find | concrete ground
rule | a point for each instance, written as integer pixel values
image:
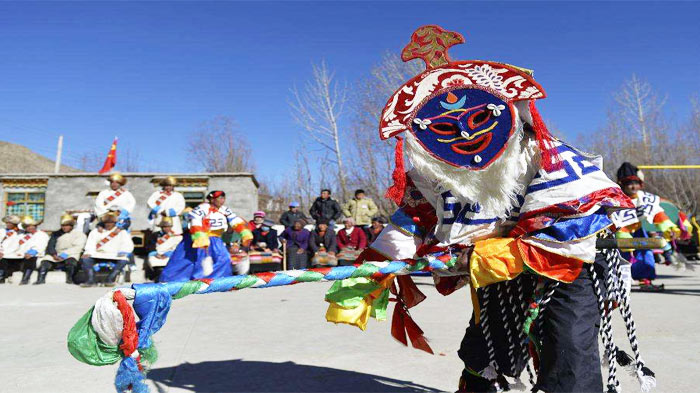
(277, 340)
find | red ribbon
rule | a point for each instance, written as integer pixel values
(407, 296)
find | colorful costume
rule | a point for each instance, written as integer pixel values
(202, 253)
(647, 209)
(519, 208)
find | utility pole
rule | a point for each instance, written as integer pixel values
(59, 150)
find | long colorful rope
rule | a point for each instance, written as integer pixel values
(92, 339)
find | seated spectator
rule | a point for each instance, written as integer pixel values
(9, 247)
(323, 245)
(297, 240)
(106, 244)
(264, 239)
(376, 228)
(351, 241)
(164, 244)
(63, 250)
(258, 219)
(292, 215)
(32, 245)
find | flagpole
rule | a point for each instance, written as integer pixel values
(59, 150)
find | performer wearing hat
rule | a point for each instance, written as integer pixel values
(63, 250)
(118, 198)
(517, 209)
(9, 246)
(203, 254)
(648, 208)
(106, 244)
(166, 203)
(32, 245)
(166, 241)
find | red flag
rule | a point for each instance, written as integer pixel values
(111, 159)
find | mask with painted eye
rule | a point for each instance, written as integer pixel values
(466, 127)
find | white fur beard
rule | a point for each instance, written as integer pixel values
(495, 187)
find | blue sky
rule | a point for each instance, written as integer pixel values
(151, 72)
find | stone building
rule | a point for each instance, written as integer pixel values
(45, 196)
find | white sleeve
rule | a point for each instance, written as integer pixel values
(100, 208)
(91, 243)
(128, 202)
(151, 202)
(178, 202)
(41, 242)
(196, 216)
(127, 245)
(395, 244)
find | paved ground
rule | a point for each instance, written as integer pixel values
(277, 340)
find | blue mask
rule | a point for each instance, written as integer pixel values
(465, 127)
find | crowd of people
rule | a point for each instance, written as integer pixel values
(334, 234)
(320, 240)
(100, 248)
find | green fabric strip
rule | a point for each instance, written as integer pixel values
(379, 306)
(365, 270)
(187, 289)
(248, 281)
(86, 346)
(308, 276)
(349, 293)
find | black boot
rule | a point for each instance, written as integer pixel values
(42, 277)
(70, 271)
(90, 275)
(26, 276)
(2, 276)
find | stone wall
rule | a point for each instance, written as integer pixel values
(77, 192)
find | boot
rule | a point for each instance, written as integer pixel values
(2, 276)
(90, 279)
(25, 277)
(70, 271)
(111, 278)
(42, 277)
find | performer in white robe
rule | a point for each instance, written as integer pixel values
(9, 245)
(32, 245)
(116, 198)
(166, 203)
(106, 244)
(165, 243)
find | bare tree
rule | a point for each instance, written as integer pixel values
(639, 107)
(637, 131)
(318, 108)
(373, 159)
(218, 146)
